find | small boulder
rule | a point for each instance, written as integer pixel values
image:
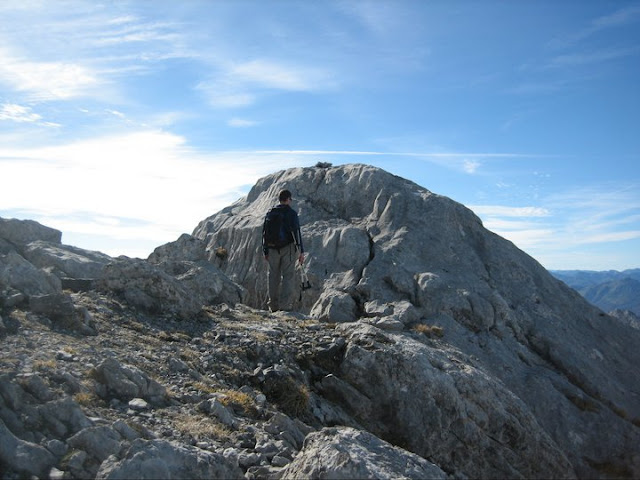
(23, 457)
(335, 306)
(21, 232)
(20, 275)
(162, 459)
(348, 453)
(148, 287)
(126, 382)
(65, 260)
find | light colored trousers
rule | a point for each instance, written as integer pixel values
(282, 268)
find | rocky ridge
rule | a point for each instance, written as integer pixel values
(429, 348)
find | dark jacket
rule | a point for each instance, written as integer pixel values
(292, 223)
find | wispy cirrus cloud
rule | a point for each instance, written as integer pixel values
(577, 57)
(18, 113)
(503, 211)
(593, 57)
(619, 18)
(241, 123)
(46, 80)
(280, 76)
(597, 213)
(241, 84)
(22, 114)
(568, 224)
(80, 50)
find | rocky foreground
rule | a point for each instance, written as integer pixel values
(438, 351)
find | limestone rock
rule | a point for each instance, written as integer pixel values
(127, 382)
(375, 237)
(65, 260)
(205, 282)
(162, 459)
(22, 456)
(186, 247)
(627, 317)
(348, 453)
(59, 308)
(180, 288)
(100, 441)
(18, 274)
(216, 409)
(434, 402)
(63, 417)
(148, 287)
(19, 233)
(335, 306)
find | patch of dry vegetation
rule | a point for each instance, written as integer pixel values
(429, 330)
(201, 427)
(241, 403)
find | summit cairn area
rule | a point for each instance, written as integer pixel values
(427, 347)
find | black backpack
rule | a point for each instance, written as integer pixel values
(277, 234)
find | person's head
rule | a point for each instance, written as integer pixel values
(285, 196)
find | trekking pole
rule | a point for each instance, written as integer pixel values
(304, 280)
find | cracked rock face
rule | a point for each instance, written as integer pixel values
(356, 223)
(377, 243)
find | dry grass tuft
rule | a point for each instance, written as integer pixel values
(429, 330)
(88, 399)
(201, 427)
(204, 387)
(240, 402)
(290, 396)
(40, 365)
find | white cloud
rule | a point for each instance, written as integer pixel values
(503, 211)
(606, 237)
(78, 49)
(242, 84)
(618, 18)
(565, 227)
(21, 114)
(18, 113)
(225, 94)
(116, 113)
(278, 76)
(593, 57)
(241, 123)
(44, 81)
(530, 239)
(470, 166)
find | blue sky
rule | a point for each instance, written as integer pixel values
(124, 124)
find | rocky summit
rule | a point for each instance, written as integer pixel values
(427, 347)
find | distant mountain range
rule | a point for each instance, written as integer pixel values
(609, 290)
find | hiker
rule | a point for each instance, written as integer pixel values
(282, 245)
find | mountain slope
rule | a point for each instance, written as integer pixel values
(426, 338)
(390, 253)
(621, 294)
